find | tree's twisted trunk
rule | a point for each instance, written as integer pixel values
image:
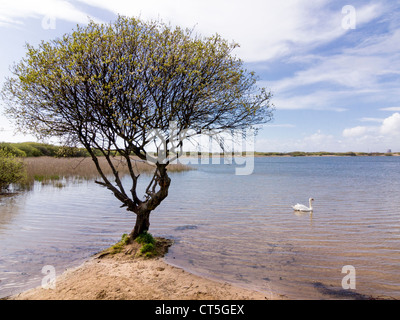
(142, 224)
(154, 198)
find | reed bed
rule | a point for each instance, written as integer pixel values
(50, 169)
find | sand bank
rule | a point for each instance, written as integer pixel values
(126, 276)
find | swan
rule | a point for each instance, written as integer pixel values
(302, 207)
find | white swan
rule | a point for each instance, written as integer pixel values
(302, 207)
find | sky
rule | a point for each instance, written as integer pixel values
(333, 67)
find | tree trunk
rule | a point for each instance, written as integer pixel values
(142, 224)
(154, 199)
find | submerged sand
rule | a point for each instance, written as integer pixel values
(127, 276)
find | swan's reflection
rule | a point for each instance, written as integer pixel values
(303, 214)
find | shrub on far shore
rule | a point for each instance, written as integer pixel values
(12, 149)
(12, 170)
(36, 149)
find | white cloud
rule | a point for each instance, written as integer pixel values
(391, 125)
(366, 119)
(359, 139)
(368, 71)
(377, 138)
(350, 70)
(355, 132)
(381, 44)
(7, 21)
(14, 12)
(265, 29)
(320, 100)
(318, 139)
(390, 109)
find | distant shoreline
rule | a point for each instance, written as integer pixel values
(35, 149)
(290, 154)
(326, 154)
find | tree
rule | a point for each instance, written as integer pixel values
(107, 87)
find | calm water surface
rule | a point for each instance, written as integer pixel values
(239, 229)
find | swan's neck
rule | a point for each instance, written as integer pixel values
(310, 203)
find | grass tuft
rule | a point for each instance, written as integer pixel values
(145, 238)
(148, 243)
(117, 248)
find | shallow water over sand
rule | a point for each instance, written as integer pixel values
(237, 228)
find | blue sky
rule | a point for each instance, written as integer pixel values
(333, 66)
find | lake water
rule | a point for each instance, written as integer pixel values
(239, 229)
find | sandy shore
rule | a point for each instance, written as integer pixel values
(126, 276)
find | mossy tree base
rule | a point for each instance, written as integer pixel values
(145, 246)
